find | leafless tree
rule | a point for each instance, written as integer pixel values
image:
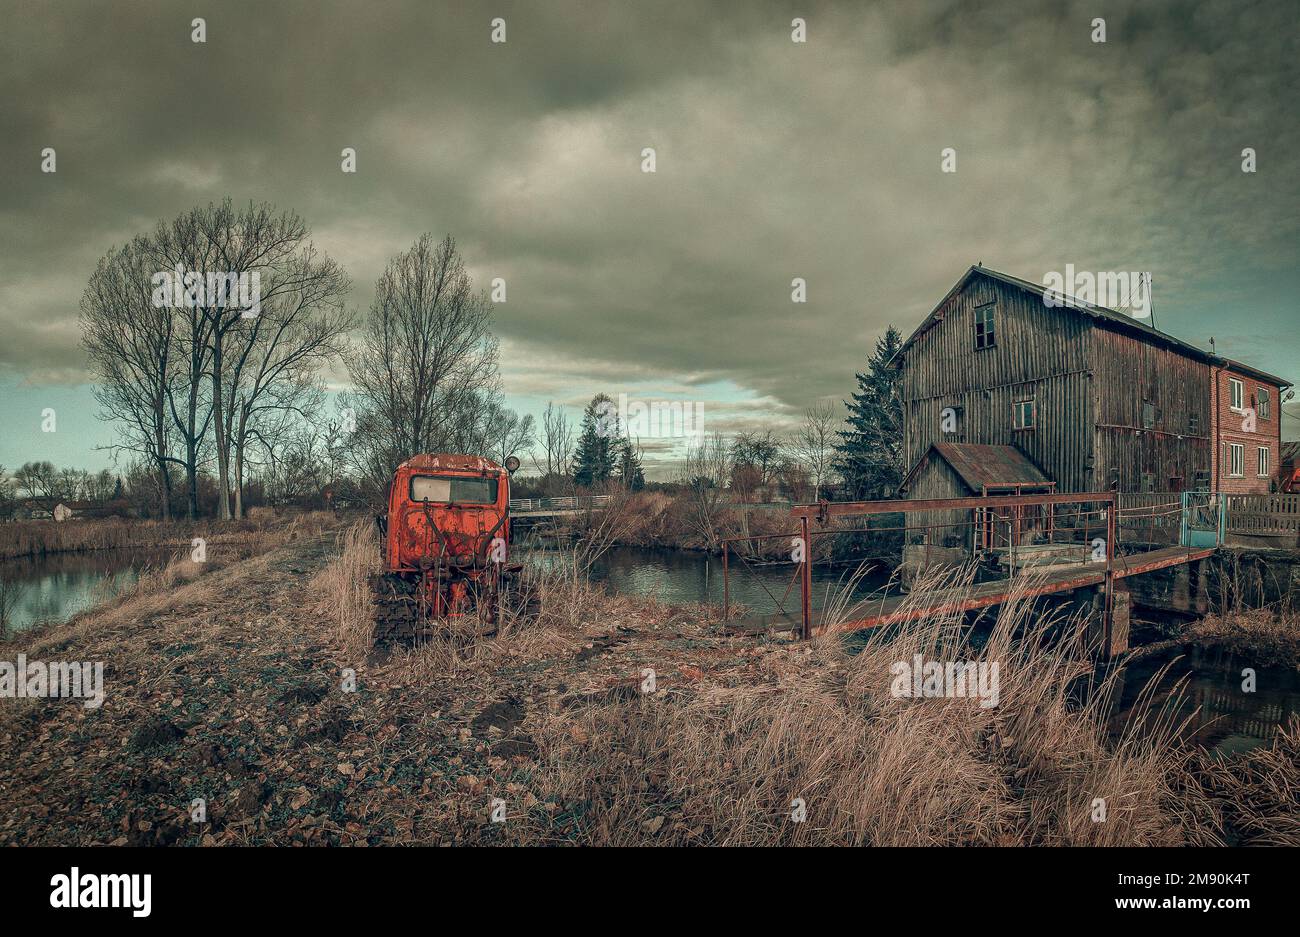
(706, 470)
(557, 443)
(424, 362)
(129, 342)
(505, 431)
(814, 443)
(279, 353)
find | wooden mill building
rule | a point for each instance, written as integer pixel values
(1074, 398)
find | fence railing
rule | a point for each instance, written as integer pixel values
(579, 503)
(1264, 515)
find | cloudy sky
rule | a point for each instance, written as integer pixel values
(774, 160)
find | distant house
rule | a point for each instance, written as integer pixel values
(48, 508)
(1094, 399)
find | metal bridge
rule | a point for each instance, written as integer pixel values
(556, 507)
(1043, 544)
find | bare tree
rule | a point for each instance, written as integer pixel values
(706, 470)
(505, 431)
(424, 362)
(557, 443)
(279, 352)
(129, 341)
(814, 443)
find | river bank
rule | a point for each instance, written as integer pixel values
(19, 539)
(607, 720)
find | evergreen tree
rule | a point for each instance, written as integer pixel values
(870, 455)
(629, 466)
(597, 455)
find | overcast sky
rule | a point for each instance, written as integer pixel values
(775, 160)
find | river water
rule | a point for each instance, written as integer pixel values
(1219, 713)
(56, 587)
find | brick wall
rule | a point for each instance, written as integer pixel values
(1229, 425)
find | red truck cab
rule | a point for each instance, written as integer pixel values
(445, 511)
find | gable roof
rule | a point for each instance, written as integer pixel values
(983, 466)
(1108, 318)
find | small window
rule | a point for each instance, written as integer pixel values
(1175, 483)
(1263, 403)
(1148, 415)
(1236, 460)
(1025, 414)
(1193, 423)
(1262, 472)
(1148, 481)
(1202, 481)
(1235, 390)
(985, 330)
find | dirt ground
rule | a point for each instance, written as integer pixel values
(233, 689)
(234, 713)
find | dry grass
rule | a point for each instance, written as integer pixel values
(345, 587)
(39, 538)
(723, 765)
(1258, 793)
(713, 761)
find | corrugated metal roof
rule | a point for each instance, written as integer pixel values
(983, 466)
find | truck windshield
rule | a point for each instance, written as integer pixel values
(450, 489)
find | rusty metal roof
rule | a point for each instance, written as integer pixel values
(432, 462)
(981, 466)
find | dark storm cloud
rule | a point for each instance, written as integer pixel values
(775, 160)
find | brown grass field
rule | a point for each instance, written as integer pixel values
(231, 684)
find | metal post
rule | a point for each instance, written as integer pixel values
(806, 584)
(726, 584)
(1108, 602)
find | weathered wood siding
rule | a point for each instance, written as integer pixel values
(1130, 373)
(1038, 350)
(936, 479)
(1089, 382)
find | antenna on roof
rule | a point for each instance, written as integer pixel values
(1151, 303)
(1212, 351)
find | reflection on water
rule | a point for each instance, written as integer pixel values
(1221, 714)
(679, 577)
(54, 588)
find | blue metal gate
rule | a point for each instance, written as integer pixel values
(1204, 519)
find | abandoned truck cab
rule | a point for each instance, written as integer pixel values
(445, 542)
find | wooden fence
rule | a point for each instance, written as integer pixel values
(1264, 515)
(1156, 516)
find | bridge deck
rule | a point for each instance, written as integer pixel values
(1041, 580)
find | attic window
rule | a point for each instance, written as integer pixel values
(985, 333)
